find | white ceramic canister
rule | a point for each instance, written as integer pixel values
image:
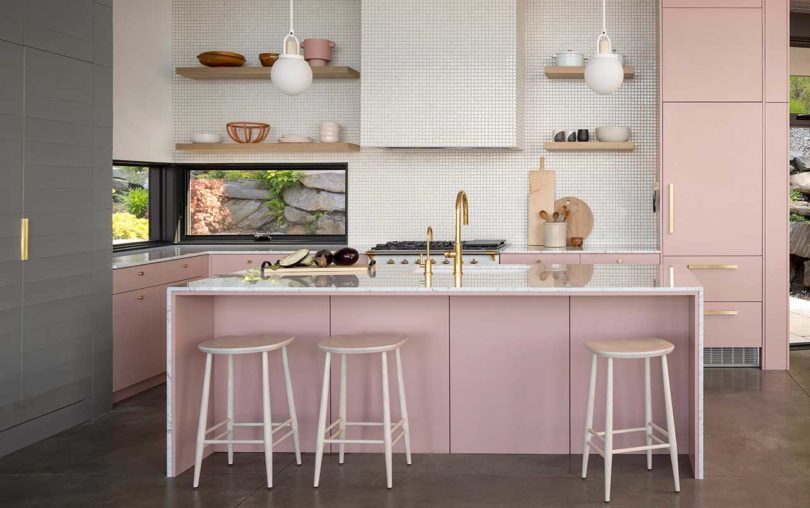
(330, 132)
(554, 234)
(569, 58)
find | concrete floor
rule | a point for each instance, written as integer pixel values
(799, 321)
(757, 455)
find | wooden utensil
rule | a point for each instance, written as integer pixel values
(221, 59)
(541, 197)
(580, 218)
(555, 217)
(544, 215)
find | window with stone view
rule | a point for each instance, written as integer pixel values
(266, 201)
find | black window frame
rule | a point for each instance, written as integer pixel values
(183, 175)
(159, 234)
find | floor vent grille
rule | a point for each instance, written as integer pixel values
(731, 357)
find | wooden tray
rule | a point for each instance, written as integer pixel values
(314, 270)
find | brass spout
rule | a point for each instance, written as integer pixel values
(428, 263)
(462, 215)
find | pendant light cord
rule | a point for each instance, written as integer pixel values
(604, 17)
(292, 31)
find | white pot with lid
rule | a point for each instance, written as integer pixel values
(569, 58)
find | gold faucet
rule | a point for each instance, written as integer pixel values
(428, 262)
(462, 214)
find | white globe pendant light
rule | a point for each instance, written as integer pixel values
(604, 73)
(291, 73)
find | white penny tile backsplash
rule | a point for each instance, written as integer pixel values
(397, 193)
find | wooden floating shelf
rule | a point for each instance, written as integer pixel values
(261, 72)
(268, 147)
(556, 72)
(589, 146)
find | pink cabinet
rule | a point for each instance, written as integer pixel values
(618, 259)
(528, 258)
(777, 42)
(139, 336)
(712, 179)
(732, 279)
(711, 54)
(152, 274)
(712, 3)
(732, 324)
(230, 263)
(516, 361)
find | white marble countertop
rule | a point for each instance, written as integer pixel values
(503, 279)
(169, 252)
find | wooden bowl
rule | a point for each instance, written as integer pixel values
(268, 59)
(221, 59)
(248, 132)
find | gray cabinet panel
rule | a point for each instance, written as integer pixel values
(11, 26)
(102, 35)
(63, 27)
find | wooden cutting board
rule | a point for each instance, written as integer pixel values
(541, 197)
(314, 270)
(580, 220)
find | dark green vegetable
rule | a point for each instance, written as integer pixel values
(346, 256)
(323, 258)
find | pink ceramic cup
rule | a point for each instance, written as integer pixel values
(318, 52)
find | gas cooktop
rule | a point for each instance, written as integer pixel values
(415, 247)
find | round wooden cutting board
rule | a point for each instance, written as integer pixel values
(580, 220)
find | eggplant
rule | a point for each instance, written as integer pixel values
(346, 281)
(294, 258)
(307, 261)
(323, 258)
(346, 256)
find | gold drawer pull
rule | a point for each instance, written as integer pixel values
(185, 265)
(720, 312)
(140, 273)
(24, 239)
(250, 261)
(671, 208)
(712, 267)
(140, 297)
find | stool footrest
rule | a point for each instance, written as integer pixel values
(400, 436)
(659, 429)
(282, 438)
(354, 441)
(234, 441)
(643, 448)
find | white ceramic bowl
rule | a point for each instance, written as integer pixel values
(570, 59)
(613, 134)
(201, 137)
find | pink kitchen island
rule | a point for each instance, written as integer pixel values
(497, 365)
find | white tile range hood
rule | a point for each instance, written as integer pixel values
(442, 74)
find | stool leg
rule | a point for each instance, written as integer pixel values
(291, 404)
(648, 411)
(586, 449)
(673, 445)
(267, 426)
(386, 420)
(322, 420)
(342, 424)
(203, 421)
(608, 429)
(403, 410)
(230, 409)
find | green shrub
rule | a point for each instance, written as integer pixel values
(137, 202)
(129, 227)
(796, 195)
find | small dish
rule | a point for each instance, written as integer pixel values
(221, 59)
(613, 134)
(294, 139)
(205, 138)
(268, 59)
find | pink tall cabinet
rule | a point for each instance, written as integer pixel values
(724, 154)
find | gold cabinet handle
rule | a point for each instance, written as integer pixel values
(24, 239)
(619, 261)
(720, 313)
(185, 265)
(250, 261)
(140, 274)
(712, 267)
(140, 297)
(671, 208)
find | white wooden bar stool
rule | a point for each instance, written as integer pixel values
(243, 345)
(352, 345)
(630, 349)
